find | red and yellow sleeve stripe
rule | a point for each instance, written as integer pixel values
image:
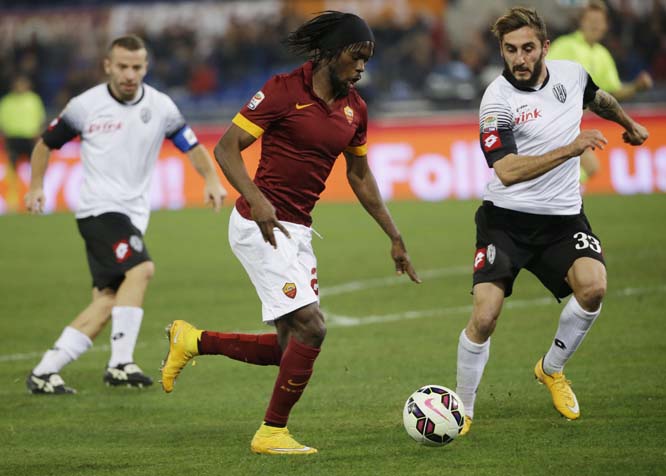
(247, 125)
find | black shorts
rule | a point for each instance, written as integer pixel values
(113, 246)
(18, 148)
(547, 245)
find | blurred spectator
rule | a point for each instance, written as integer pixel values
(21, 118)
(584, 47)
(423, 60)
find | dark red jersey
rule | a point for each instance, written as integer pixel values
(301, 136)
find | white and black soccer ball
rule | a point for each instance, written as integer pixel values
(433, 415)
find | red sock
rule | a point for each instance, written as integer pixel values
(295, 371)
(259, 349)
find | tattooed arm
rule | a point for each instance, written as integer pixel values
(606, 106)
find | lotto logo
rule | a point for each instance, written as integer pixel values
(122, 251)
(479, 259)
(491, 141)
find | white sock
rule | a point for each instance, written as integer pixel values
(125, 325)
(69, 346)
(472, 359)
(574, 324)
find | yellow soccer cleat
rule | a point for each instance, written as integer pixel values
(270, 440)
(183, 338)
(466, 426)
(564, 399)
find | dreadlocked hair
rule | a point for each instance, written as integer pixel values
(306, 40)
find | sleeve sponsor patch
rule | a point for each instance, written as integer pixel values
(491, 141)
(489, 123)
(256, 100)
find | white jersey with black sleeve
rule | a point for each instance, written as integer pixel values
(120, 143)
(532, 122)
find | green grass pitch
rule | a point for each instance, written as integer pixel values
(386, 338)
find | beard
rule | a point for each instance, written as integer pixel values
(340, 87)
(534, 77)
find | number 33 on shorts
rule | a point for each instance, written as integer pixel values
(587, 241)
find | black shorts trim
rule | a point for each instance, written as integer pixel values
(113, 247)
(546, 245)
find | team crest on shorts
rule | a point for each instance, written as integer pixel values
(136, 243)
(490, 254)
(122, 251)
(560, 92)
(289, 290)
(145, 115)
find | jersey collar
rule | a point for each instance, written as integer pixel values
(509, 77)
(127, 103)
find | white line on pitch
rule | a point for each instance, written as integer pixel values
(372, 283)
(339, 320)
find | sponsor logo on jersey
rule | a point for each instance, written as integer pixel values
(560, 92)
(122, 251)
(490, 254)
(349, 114)
(491, 141)
(104, 126)
(303, 106)
(479, 259)
(524, 114)
(145, 115)
(489, 123)
(289, 290)
(136, 243)
(256, 100)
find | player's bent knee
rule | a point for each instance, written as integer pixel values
(590, 297)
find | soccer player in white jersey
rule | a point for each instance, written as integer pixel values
(532, 215)
(121, 124)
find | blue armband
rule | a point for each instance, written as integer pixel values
(184, 139)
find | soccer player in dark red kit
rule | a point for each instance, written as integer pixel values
(306, 119)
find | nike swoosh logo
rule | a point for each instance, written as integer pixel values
(294, 384)
(175, 337)
(575, 408)
(428, 403)
(303, 106)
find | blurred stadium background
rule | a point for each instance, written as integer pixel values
(434, 59)
(432, 55)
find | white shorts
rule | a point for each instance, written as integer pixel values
(285, 278)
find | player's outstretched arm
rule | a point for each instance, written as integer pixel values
(39, 159)
(228, 155)
(365, 188)
(214, 191)
(606, 106)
